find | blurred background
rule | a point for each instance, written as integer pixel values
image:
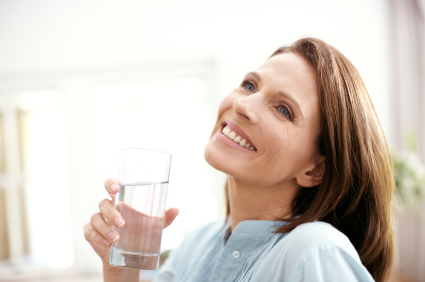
(81, 79)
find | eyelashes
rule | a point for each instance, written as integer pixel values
(246, 84)
(284, 110)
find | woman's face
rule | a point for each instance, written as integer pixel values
(276, 111)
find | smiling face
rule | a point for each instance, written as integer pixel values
(276, 111)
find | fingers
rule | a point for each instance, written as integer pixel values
(103, 228)
(112, 186)
(110, 213)
(170, 215)
(91, 235)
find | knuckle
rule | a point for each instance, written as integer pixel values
(87, 231)
(94, 216)
(87, 227)
(101, 227)
(108, 211)
(103, 203)
(99, 238)
(94, 236)
(106, 229)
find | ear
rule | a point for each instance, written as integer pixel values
(313, 176)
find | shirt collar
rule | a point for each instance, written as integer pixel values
(261, 228)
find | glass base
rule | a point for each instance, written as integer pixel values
(121, 258)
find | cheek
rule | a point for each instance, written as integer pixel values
(225, 105)
(290, 149)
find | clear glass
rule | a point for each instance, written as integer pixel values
(143, 175)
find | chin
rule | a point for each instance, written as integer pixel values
(213, 157)
(219, 160)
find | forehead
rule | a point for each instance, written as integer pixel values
(289, 70)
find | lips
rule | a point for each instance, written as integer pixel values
(235, 133)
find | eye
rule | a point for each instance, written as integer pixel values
(285, 111)
(248, 85)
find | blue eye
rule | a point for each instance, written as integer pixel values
(248, 85)
(284, 110)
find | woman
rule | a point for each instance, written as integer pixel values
(310, 181)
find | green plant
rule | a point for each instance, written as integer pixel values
(409, 179)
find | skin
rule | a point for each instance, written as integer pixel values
(262, 183)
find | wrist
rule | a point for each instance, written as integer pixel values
(117, 274)
(107, 268)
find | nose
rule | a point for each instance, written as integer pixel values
(247, 108)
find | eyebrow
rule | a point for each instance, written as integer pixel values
(253, 73)
(281, 93)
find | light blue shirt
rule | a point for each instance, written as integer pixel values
(313, 251)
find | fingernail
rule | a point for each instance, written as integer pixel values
(112, 236)
(119, 222)
(114, 187)
(106, 242)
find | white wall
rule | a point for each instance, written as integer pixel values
(236, 36)
(240, 35)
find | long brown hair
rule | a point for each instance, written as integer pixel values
(356, 192)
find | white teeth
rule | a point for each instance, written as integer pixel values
(232, 135)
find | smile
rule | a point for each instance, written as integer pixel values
(229, 133)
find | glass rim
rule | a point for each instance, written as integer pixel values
(125, 149)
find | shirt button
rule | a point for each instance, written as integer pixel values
(236, 254)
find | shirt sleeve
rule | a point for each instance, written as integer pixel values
(329, 265)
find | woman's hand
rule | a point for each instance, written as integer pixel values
(99, 233)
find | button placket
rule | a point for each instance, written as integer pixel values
(236, 254)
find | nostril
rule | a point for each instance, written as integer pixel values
(245, 116)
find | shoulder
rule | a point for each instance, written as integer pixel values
(318, 236)
(310, 239)
(317, 251)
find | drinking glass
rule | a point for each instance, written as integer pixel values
(143, 178)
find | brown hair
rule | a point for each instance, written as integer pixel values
(356, 192)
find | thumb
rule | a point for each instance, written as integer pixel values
(170, 215)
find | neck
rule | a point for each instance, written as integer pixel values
(253, 202)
